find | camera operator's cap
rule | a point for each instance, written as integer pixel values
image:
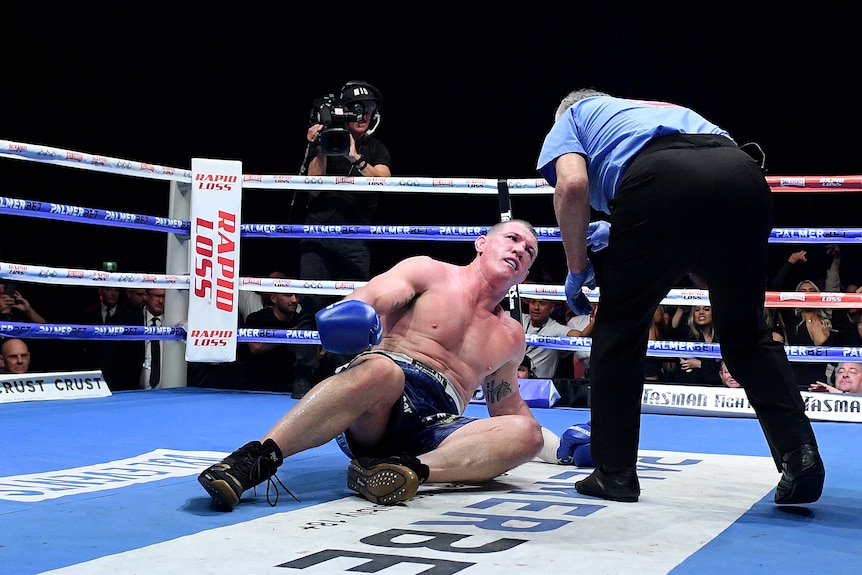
(356, 91)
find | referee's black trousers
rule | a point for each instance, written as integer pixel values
(688, 203)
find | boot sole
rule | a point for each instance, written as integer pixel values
(222, 495)
(384, 484)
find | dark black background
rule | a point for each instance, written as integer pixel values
(469, 91)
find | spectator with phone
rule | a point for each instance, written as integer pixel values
(14, 307)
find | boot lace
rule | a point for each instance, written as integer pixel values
(263, 467)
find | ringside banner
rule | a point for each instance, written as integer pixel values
(216, 202)
(52, 385)
(732, 402)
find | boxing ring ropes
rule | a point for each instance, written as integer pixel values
(176, 280)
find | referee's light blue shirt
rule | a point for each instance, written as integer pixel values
(609, 132)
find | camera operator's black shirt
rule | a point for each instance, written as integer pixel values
(348, 207)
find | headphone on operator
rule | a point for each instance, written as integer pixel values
(354, 91)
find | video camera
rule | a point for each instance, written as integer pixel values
(334, 138)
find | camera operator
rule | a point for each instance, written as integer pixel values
(366, 155)
(338, 259)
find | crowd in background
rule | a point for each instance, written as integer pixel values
(272, 367)
(294, 368)
(801, 326)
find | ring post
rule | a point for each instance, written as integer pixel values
(177, 301)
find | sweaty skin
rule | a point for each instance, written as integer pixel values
(448, 317)
(473, 342)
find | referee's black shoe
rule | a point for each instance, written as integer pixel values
(802, 476)
(612, 483)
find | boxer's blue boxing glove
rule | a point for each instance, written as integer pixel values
(348, 326)
(576, 436)
(584, 456)
(575, 296)
(597, 235)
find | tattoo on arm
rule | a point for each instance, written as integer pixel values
(497, 391)
(402, 303)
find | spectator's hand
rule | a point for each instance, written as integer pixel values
(575, 296)
(597, 235)
(798, 257)
(819, 386)
(20, 303)
(690, 363)
(834, 250)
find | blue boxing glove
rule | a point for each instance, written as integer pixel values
(574, 437)
(575, 296)
(597, 235)
(584, 456)
(348, 327)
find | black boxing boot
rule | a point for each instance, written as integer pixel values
(802, 476)
(247, 467)
(387, 480)
(613, 483)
